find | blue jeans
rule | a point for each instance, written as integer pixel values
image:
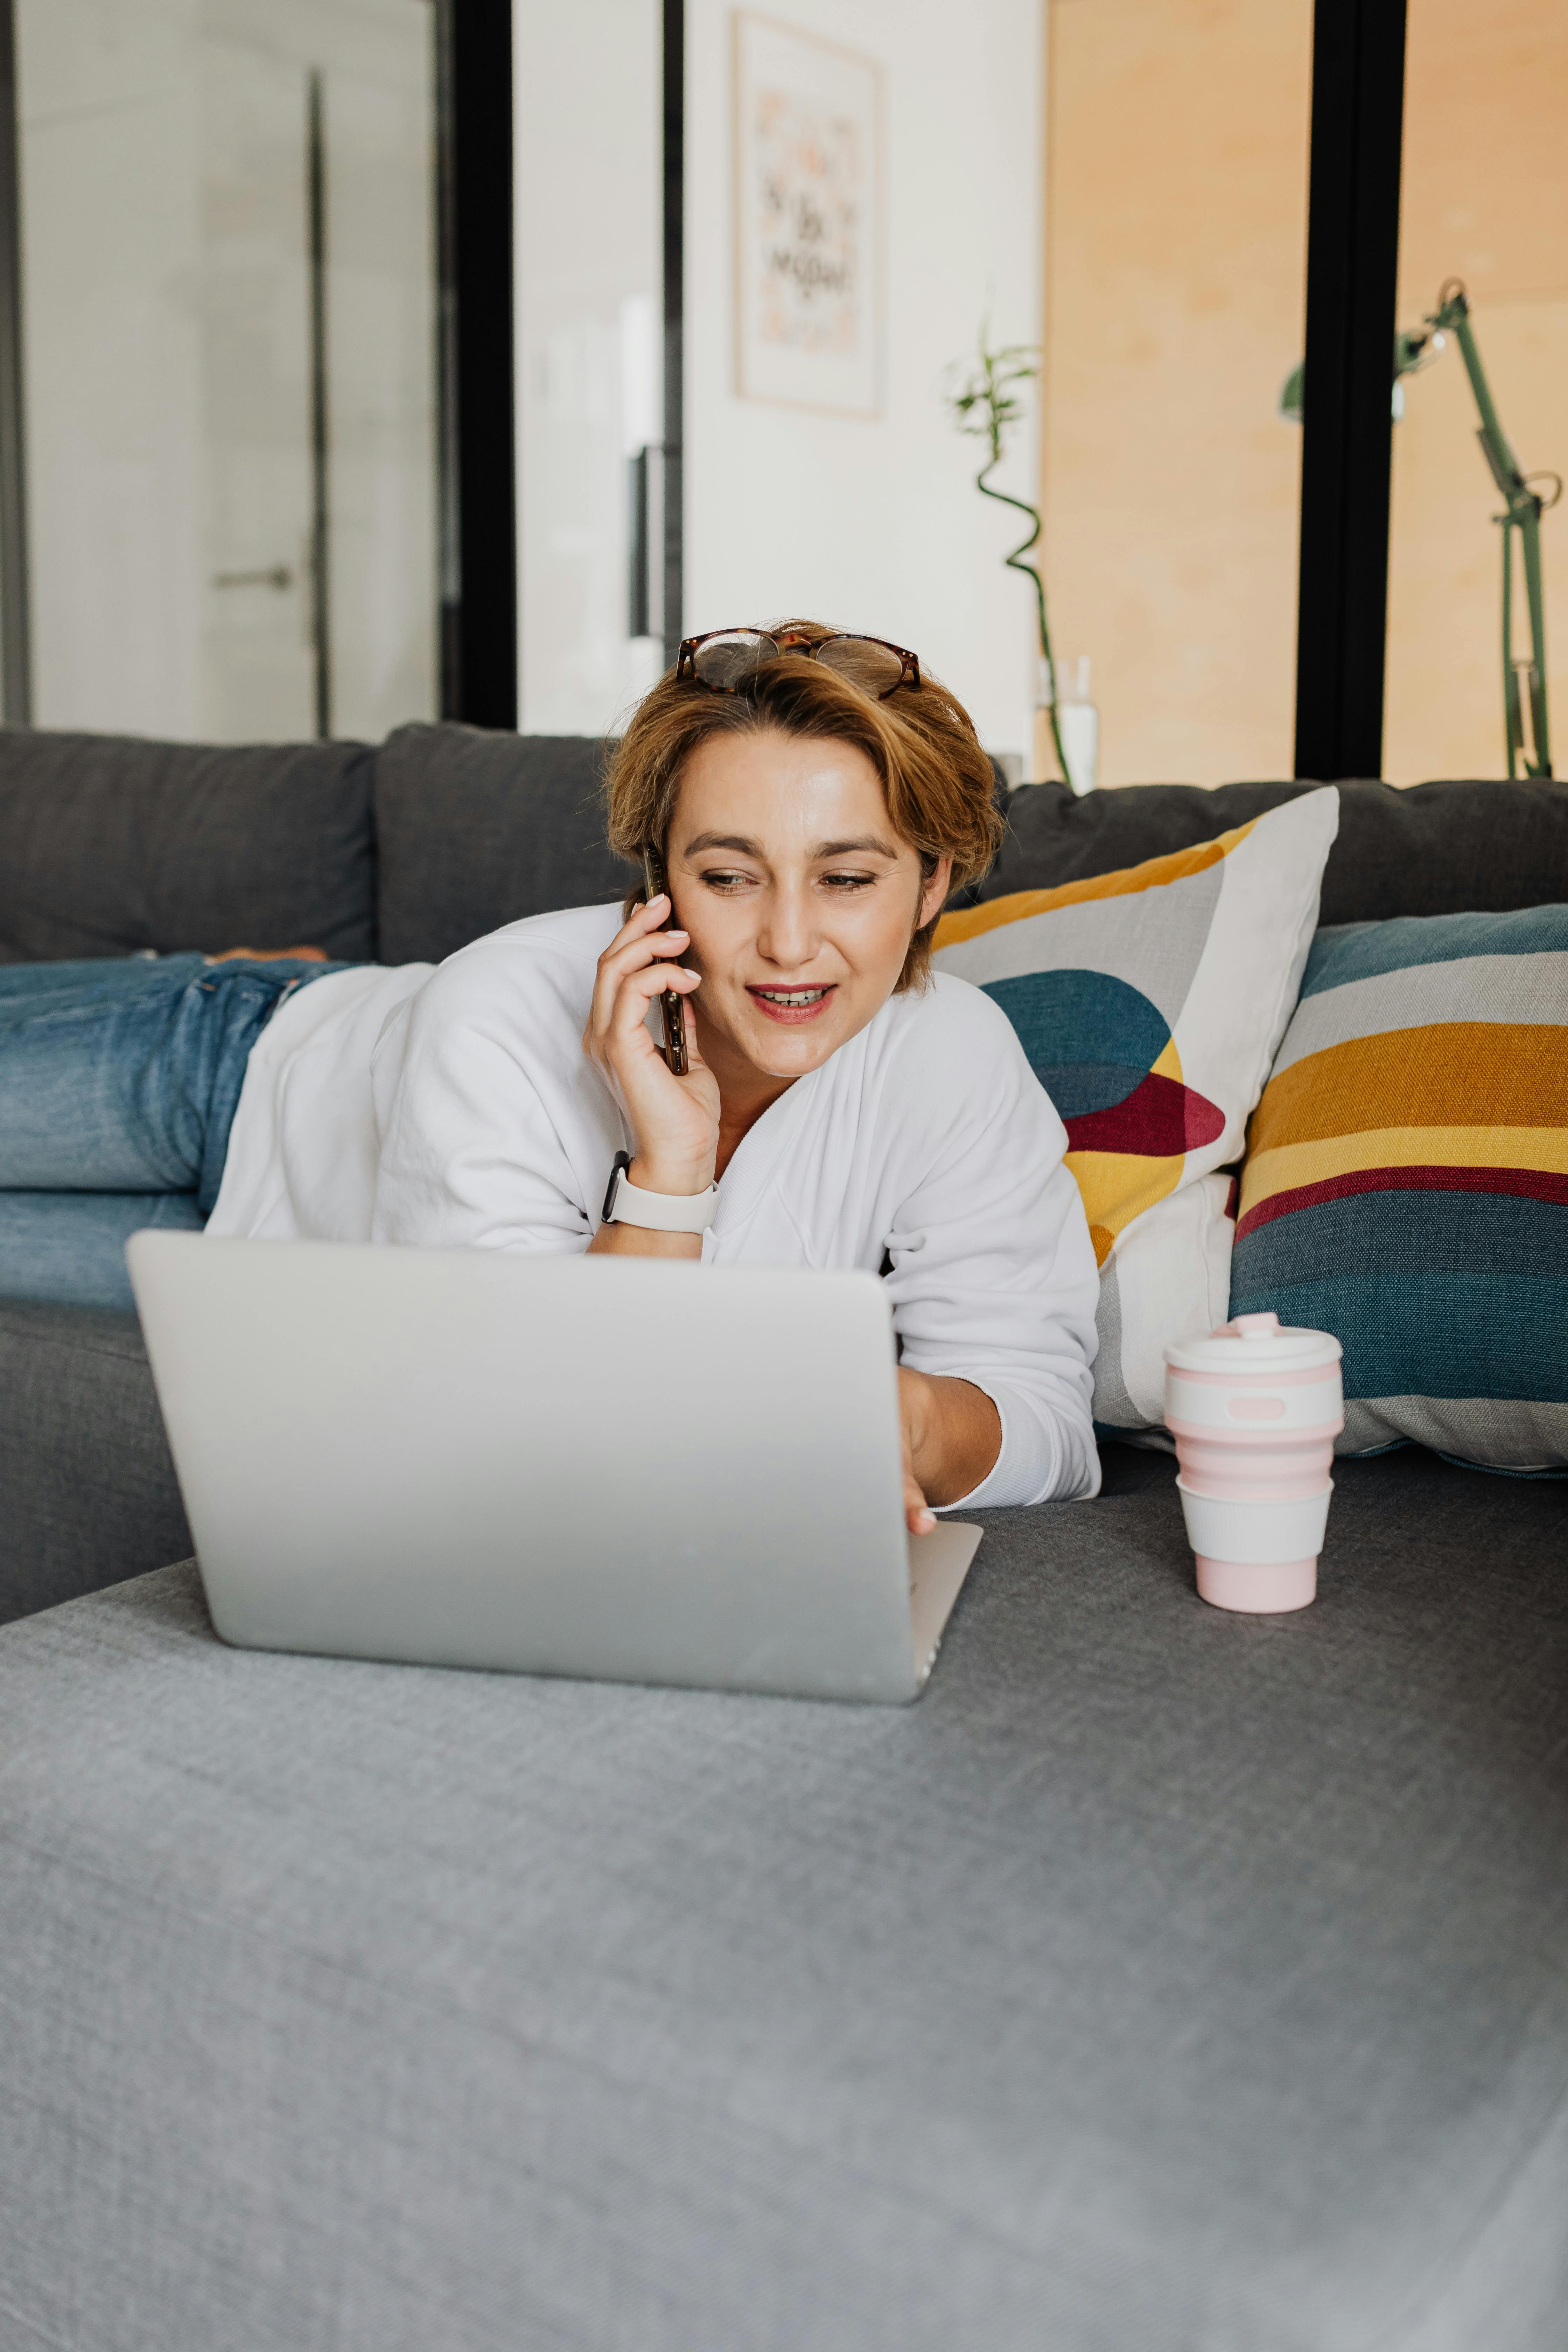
(118, 1082)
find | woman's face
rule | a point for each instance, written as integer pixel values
(799, 897)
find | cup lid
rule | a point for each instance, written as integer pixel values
(1253, 1343)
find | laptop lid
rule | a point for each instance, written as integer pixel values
(606, 1467)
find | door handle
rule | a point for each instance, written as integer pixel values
(637, 600)
(271, 575)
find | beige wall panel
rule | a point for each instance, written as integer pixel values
(1177, 156)
(1485, 198)
(1484, 194)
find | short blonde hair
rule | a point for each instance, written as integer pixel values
(939, 784)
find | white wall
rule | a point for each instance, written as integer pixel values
(876, 523)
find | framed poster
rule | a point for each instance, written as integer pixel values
(809, 220)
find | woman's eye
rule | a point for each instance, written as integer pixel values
(722, 879)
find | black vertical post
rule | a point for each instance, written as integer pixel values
(16, 649)
(1353, 258)
(320, 548)
(479, 521)
(674, 315)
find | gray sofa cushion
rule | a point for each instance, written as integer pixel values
(109, 844)
(87, 1488)
(1433, 849)
(1163, 1979)
(476, 829)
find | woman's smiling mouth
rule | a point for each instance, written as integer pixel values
(790, 1004)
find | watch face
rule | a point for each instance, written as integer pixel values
(623, 1161)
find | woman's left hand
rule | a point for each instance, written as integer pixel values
(953, 1435)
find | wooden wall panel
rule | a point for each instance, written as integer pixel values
(1176, 213)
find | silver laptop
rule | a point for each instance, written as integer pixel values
(613, 1467)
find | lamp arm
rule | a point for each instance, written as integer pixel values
(1524, 510)
(1530, 541)
(1454, 318)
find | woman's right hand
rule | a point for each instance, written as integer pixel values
(675, 1121)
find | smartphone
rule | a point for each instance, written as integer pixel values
(671, 1002)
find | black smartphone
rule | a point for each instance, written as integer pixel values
(671, 1002)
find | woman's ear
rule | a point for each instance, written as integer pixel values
(934, 893)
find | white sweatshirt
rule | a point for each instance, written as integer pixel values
(454, 1106)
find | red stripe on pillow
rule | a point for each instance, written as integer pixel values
(1526, 1183)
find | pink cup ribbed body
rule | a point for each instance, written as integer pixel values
(1255, 1411)
(1225, 1448)
(1216, 1463)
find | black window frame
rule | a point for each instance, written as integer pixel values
(477, 467)
(1352, 263)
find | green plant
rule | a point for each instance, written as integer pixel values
(984, 403)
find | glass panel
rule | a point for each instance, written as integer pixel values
(170, 365)
(589, 365)
(1177, 145)
(1484, 200)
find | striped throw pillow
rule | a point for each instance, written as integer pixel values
(1407, 1182)
(1150, 1004)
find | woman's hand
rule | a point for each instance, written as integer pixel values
(953, 1435)
(270, 955)
(675, 1121)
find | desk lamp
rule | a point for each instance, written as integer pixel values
(1523, 509)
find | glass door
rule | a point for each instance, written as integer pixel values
(228, 339)
(588, 178)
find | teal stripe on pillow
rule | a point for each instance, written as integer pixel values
(1344, 951)
(1428, 1293)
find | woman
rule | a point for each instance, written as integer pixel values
(813, 800)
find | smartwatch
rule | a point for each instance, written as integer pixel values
(626, 1204)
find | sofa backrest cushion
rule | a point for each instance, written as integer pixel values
(110, 844)
(1429, 849)
(476, 829)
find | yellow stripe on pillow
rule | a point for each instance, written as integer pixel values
(1154, 871)
(1506, 1074)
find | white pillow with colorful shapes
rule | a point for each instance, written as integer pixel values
(1151, 1005)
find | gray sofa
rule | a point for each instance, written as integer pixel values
(1162, 1980)
(401, 853)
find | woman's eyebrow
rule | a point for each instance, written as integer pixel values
(739, 845)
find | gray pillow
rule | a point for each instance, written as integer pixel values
(109, 844)
(476, 829)
(1431, 849)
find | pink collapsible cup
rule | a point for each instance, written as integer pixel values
(1255, 1408)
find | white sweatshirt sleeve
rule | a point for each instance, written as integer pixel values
(993, 1277)
(494, 1133)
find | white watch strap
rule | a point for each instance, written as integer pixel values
(626, 1204)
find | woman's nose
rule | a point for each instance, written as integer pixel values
(788, 936)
